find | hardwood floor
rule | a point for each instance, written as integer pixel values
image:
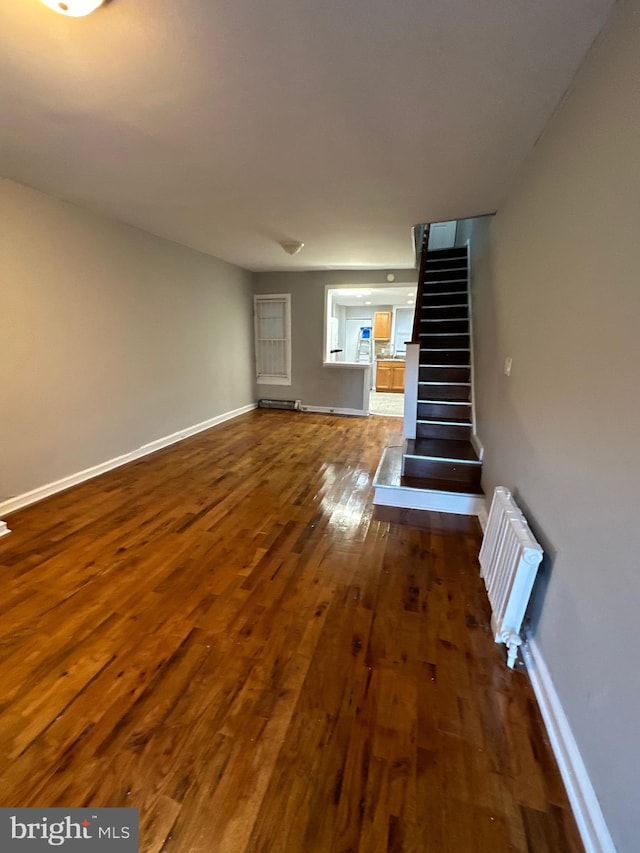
(224, 636)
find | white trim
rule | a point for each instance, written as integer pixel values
(447, 402)
(28, 498)
(3, 528)
(327, 410)
(427, 499)
(478, 446)
(265, 379)
(584, 802)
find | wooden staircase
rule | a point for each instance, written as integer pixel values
(439, 468)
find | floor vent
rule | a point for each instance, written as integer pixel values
(290, 405)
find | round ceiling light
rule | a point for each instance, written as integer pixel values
(73, 8)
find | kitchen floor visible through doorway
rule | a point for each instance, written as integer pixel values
(383, 403)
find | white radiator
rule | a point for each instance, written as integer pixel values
(509, 560)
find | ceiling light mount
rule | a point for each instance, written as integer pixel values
(73, 8)
(291, 247)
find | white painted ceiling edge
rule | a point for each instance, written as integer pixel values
(230, 126)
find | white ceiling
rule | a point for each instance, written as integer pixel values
(375, 294)
(228, 125)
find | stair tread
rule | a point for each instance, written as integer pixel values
(439, 485)
(442, 448)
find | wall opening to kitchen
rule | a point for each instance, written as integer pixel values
(371, 325)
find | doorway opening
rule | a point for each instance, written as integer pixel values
(386, 403)
(371, 325)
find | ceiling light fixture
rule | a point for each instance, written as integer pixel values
(73, 8)
(291, 247)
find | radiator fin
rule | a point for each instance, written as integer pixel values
(509, 560)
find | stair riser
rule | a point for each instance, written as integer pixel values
(442, 410)
(446, 263)
(468, 474)
(430, 324)
(457, 312)
(437, 287)
(434, 299)
(443, 341)
(443, 392)
(443, 254)
(444, 374)
(445, 275)
(458, 433)
(434, 356)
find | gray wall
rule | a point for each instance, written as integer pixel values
(314, 384)
(558, 290)
(109, 338)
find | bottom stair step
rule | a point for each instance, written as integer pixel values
(423, 493)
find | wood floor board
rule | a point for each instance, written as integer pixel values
(228, 636)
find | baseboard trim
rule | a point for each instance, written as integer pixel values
(326, 410)
(586, 808)
(3, 528)
(478, 446)
(28, 498)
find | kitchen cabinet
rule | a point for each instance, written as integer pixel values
(382, 326)
(390, 375)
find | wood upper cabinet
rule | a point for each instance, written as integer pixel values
(390, 375)
(382, 326)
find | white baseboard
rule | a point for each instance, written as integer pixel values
(586, 808)
(326, 410)
(28, 498)
(3, 528)
(478, 446)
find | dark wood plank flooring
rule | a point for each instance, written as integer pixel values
(227, 636)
